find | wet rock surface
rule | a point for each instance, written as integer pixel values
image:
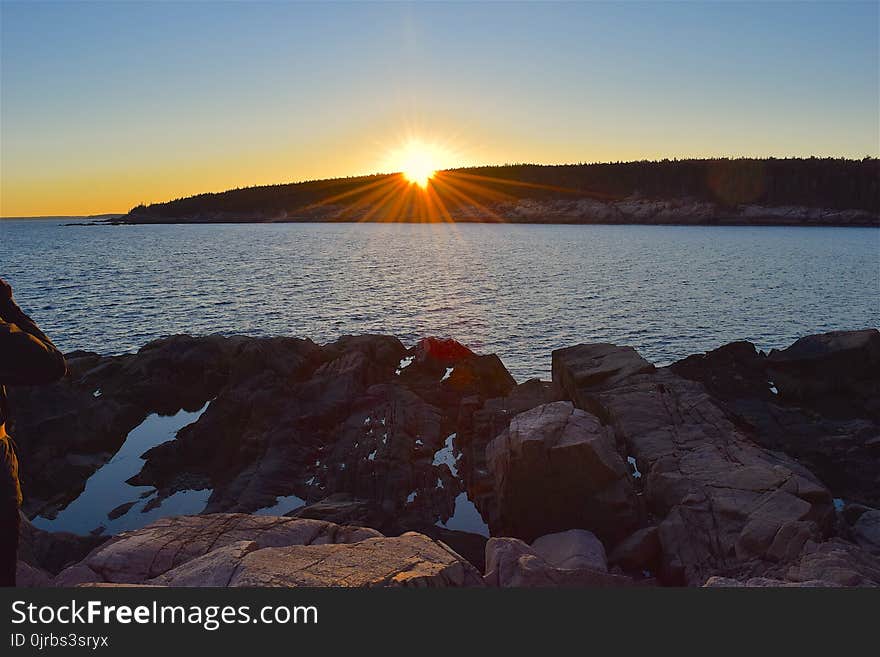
(749, 468)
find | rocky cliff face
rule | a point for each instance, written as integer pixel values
(730, 467)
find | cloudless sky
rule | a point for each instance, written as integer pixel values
(106, 105)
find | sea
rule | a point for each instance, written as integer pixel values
(519, 291)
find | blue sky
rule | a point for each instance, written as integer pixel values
(111, 104)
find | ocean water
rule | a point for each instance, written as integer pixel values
(516, 290)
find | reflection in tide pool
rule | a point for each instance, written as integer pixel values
(466, 517)
(282, 505)
(107, 489)
(446, 455)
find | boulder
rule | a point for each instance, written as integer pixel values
(762, 582)
(817, 401)
(410, 560)
(443, 372)
(720, 499)
(479, 422)
(52, 551)
(31, 577)
(144, 554)
(383, 452)
(572, 549)
(789, 540)
(638, 552)
(241, 550)
(444, 352)
(263, 436)
(581, 368)
(556, 468)
(834, 372)
(343, 509)
(484, 376)
(510, 562)
(835, 561)
(866, 531)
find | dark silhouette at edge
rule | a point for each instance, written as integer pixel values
(27, 357)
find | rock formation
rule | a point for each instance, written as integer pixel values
(244, 550)
(733, 467)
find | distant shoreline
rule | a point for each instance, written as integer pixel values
(794, 191)
(769, 222)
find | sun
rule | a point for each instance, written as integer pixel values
(417, 161)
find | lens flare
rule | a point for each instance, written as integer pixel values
(417, 161)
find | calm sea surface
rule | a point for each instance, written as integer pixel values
(518, 291)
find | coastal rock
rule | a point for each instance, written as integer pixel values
(479, 422)
(28, 576)
(443, 352)
(360, 423)
(443, 372)
(262, 436)
(135, 557)
(285, 419)
(69, 429)
(510, 562)
(52, 551)
(384, 452)
(835, 372)
(701, 469)
(556, 468)
(817, 401)
(835, 561)
(410, 560)
(243, 550)
(762, 582)
(484, 376)
(719, 498)
(866, 530)
(342, 509)
(577, 370)
(638, 552)
(572, 549)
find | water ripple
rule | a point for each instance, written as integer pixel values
(518, 291)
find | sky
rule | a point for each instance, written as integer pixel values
(107, 105)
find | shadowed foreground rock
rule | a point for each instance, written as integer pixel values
(557, 467)
(575, 558)
(818, 401)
